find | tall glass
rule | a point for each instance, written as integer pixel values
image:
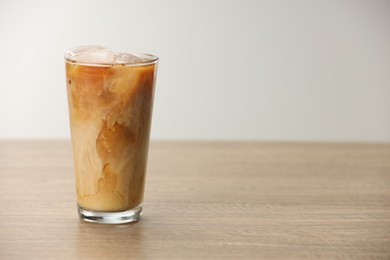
(110, 97)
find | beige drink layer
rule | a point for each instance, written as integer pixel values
(110, 113)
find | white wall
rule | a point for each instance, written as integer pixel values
(263, 70)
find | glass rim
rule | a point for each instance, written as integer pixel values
(70, 57)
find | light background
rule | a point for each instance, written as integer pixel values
(229, 70)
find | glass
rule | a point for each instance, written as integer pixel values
(110, 98)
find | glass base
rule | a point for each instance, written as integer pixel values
(121, 217)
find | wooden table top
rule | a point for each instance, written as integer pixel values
(237, 200)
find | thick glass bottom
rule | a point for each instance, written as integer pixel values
(121, 217)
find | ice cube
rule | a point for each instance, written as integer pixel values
(126, 58)
(97, 57)
(74, 52)
(91, 54)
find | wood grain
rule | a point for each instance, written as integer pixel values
(206, 200)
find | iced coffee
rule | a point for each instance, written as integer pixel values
(110, 98)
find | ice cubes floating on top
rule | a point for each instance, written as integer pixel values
(100, 55)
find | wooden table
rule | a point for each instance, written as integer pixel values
(237, 200)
